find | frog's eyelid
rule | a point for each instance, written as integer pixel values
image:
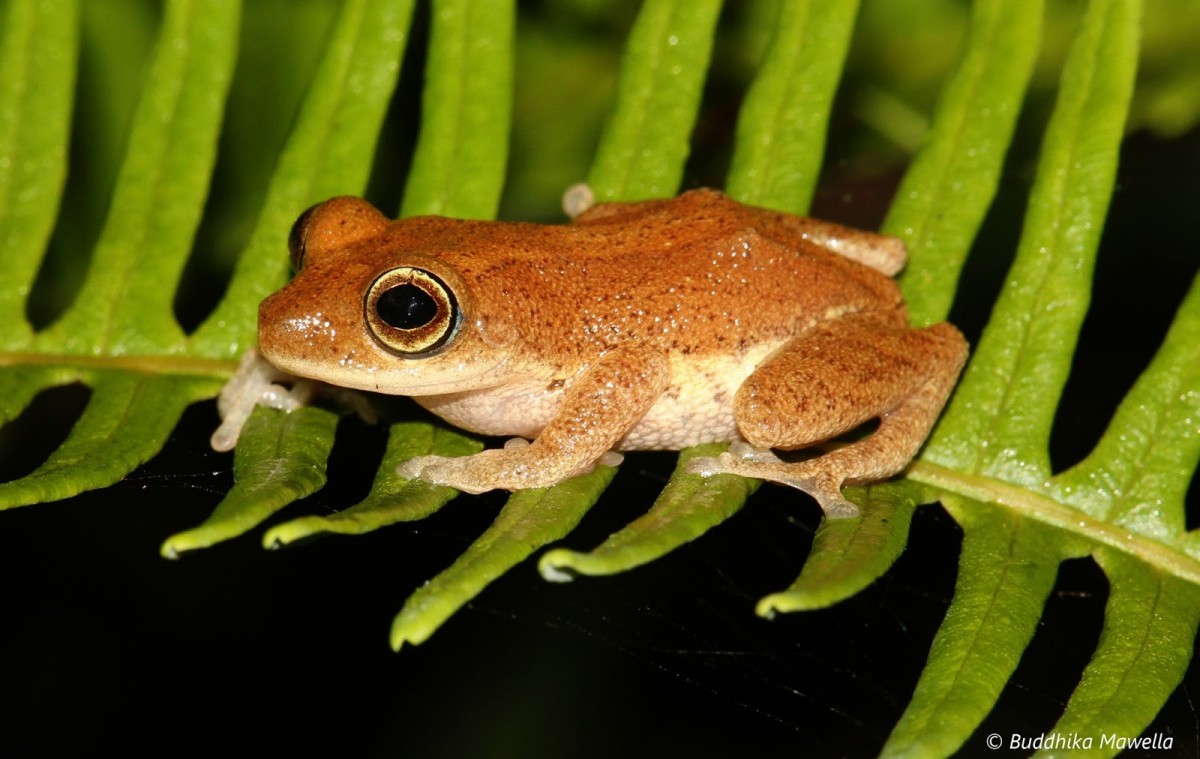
(298, 237)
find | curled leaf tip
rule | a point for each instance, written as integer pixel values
(783, 603)
(554, 565)
(404, 632)
(768, 606)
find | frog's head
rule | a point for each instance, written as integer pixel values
(373, 307)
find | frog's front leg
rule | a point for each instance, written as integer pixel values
(828, 382)
(600, 407)
(258, 383)
(255, 383)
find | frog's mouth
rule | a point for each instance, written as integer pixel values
(418, 379)
(394, 383)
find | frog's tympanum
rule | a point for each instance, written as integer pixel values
(652, 325)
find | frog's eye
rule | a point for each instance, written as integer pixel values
(297, 238)
(411, 311)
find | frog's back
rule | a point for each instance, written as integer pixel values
(705, 270)
(696, 274)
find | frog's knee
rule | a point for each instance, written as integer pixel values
(771, 413)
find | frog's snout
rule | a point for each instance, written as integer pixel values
(291, 333)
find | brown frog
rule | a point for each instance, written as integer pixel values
(651, 325)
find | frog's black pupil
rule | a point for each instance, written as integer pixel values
(406, 307)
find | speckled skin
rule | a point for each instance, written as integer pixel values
(653, 325)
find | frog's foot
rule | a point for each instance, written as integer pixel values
(258, 383)
(452, 471)
(255, 382)
(513, 467)
(608, 458)
(760, 463)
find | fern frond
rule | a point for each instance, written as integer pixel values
(988, 460)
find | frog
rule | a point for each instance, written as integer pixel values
(647, 325)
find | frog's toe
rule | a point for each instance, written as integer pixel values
(508, 468)
(578, 198)
(610, 458)
(747, 461)
(414, 468)
(741, 458)
(837, 507)
(741, 450)
(464, 485)
(487, 470)
(726, 463)
(441, 470)
(825, 489)
(705, 466)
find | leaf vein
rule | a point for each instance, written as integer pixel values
(1045, 509)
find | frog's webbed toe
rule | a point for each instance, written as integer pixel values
(255, 383)
(459, 472)
(258, 383)
(760, 463)
(517, 466)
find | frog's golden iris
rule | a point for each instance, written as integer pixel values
(411, 312)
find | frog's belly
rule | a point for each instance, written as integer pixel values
(696, 408)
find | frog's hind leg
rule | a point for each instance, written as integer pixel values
(827, 383)
(883, 253)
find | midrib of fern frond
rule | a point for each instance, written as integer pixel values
(1045, 509)
(173, 364)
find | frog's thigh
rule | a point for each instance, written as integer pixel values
(832, 380)
(599, 409)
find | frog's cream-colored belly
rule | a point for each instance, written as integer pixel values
(697, 406)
